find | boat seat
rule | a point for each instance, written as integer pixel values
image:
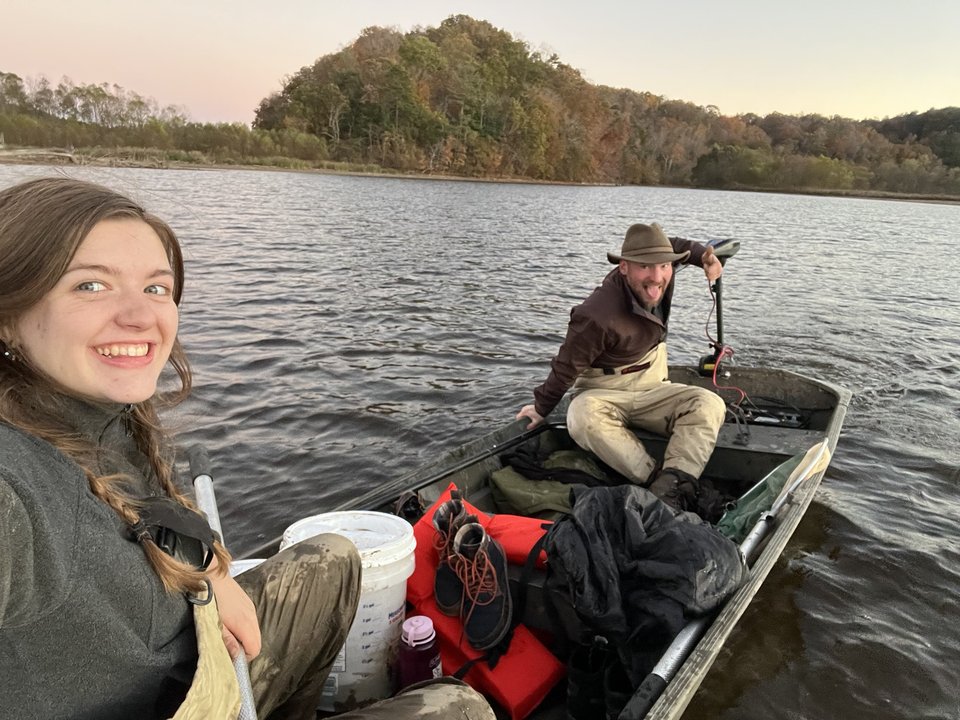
(761, 439)
(768, 438)
(761, 451)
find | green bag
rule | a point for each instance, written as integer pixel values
(736, 523)
(575, 460)
(516, 495)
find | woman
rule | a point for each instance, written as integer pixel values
(103, 560)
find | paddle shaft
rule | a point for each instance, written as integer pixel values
(207, 502)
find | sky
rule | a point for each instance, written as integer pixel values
(217, 59)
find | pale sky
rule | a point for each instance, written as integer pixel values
(218, 58)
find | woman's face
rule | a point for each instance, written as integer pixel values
(106, 329)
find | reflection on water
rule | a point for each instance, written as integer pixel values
(345, 330)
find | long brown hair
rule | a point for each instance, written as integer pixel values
(42, 223)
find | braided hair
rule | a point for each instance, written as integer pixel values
(42, 224)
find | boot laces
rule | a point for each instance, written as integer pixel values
(479, 577)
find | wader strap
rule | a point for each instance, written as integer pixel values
(177, 530)
(529, 565)
(491, 657)
(640, 367)
(560, 634)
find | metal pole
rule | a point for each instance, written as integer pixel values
(718, 290)
(207, 502)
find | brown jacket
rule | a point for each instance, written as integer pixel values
(609, 329)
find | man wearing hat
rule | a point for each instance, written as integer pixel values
(615, 357)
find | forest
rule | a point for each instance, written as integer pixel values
(467, 99)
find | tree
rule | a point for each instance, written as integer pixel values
(13, 95)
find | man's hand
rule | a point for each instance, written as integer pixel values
(711, 265)
(530, 411)
(237, 615)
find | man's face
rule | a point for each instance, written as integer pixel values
(648, 282)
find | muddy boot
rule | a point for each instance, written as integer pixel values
(677, 489)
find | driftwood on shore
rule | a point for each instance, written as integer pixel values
(40, 155)
(57, 156)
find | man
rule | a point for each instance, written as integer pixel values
(615, 357)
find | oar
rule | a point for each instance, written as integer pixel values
(207, 502)
(816, 460)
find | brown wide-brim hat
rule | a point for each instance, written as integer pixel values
(647, 244)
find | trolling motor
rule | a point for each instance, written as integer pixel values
(709, 364)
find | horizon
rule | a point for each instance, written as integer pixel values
(856, 62)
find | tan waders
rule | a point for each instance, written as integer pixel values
(607, 404)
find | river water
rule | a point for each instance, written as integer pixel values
(345, 330)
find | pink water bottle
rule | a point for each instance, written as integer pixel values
(418, 658)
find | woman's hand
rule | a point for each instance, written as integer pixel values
(237, 614)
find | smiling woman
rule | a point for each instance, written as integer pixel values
(106, 331)
(106, 570)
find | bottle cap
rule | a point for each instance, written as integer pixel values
(417, 630)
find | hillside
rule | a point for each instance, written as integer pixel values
(467, 99)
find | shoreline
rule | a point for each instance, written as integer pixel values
(63, 158)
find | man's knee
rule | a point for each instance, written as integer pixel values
(440, 700)
(715, 409)
(588, 415)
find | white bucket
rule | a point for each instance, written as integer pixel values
(241, 566)
(362, 671)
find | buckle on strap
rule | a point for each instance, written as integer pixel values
(635, 368)
(197, 600)
(639, 367)
(178, 531)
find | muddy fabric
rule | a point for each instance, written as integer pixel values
(86, 628)
(444, 699)
(605, 406)
(306, 598)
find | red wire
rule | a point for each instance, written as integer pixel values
(723, 351)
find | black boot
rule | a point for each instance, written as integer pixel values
(481, 566)
(447, 520)
(677, 489)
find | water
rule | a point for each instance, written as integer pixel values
(347, 330)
